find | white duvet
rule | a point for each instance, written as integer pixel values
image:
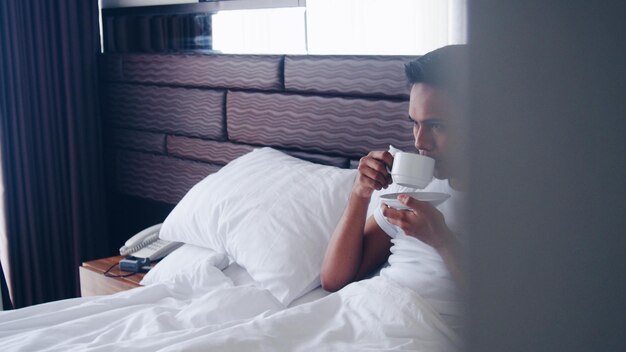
(204, 311)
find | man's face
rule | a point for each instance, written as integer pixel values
(436, 128)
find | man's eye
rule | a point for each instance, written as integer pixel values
(436, 126)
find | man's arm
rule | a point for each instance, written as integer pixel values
(358, 245)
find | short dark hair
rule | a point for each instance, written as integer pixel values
(444, 68)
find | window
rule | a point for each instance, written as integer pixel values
(369, 27)
(376, 26)
(331, 27)
(267, 31)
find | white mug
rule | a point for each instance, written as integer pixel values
(412, 170)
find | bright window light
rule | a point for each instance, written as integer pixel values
(343, 27)
(379, 27)
(262, 31)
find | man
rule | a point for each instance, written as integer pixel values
(421, 245)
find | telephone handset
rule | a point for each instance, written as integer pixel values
(146, 244)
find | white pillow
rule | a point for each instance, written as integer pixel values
(270, 212)
(182, 260)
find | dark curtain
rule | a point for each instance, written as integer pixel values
(50, 135)
(4, 290)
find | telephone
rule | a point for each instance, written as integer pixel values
(146, 244)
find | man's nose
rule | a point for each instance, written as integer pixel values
(423, 140)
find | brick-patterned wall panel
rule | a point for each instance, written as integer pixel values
(170, 121)
(136, 140)
(158, 177)
(329, 125)
(349, 75)
(185, 111)
(205, 150)
(223, 71)
(224, 152)
(337, 161)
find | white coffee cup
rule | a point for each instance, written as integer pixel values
(412, 170)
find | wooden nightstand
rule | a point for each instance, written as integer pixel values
(94, 283)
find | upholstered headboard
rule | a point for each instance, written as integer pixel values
(173, 119)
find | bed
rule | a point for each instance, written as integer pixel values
(256, 156)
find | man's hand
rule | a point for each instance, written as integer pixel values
(422, 221)
(373, 174)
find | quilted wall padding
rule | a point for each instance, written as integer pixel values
(136, 140)
(224, 152)
(340, 126)
(221, 71)
(347, 75)
(173, 119)
(216, 152)
(158, 177)
(186, 111)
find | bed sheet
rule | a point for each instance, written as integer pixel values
(240, 277)
(371, 315)
(206, 310)
(201, 298)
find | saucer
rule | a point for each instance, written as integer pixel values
(434, 198)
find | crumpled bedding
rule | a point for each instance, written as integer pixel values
(203, 310)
